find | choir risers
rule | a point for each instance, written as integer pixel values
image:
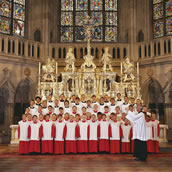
(15, 140)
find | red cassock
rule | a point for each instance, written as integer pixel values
(156, 129)
(149, 136)
(92, 135)
(47, 138)
(34, 134)
(23, 137)
(116, 131)
(59, 135)
(82, 143)
(71, 135)
(125, 142)
(104, 132)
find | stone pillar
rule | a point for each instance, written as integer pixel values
(132, 29)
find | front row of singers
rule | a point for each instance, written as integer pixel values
(83, 136)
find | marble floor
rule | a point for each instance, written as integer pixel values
(10, 160)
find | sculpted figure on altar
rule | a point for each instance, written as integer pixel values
(49, 70)
(88, 65)
(128, 70)
(107, 60)
(70, 60)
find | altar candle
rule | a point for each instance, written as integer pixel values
(56, 68)
(39, 68)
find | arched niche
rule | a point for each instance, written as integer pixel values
(153, 96)
(25, 91)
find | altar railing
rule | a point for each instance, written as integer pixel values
(15, 140)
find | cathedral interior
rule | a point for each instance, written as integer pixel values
(33, 30)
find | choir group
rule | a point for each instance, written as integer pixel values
(84, 126)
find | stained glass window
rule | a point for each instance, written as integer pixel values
(12, 17)
(162, 18)
(103, 12)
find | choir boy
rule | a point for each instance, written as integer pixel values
(93, 135)
(83, 100)
(88, 118)
(117, 134)
(101, 105)
(29, 119)
(44, 107)
(39, 111)
(84, 110)
(106, 100)
(50, 110)
(32, 107)
(94, 100)
(62, 99)
(106, 111)
(123, 118)
(54, 118)
(74, 111)
(41, 118)
(77, 117)
(125, 105)
(127, 134)
(27, 111)
(104, 134)
(82, 143)
(56, 106)
(71, 135)
(66, 117)
(50, 101)
(34, 134)
(112, 105)
(78, 104)
(149, 134)
(59, 135)
(37, 101)
(23, 135)
(67, 108)
(61, 111)
(118, 112)
(99, 116)
(95, 109)
(47, 139)
(119, 101)
(89, 107)
(73, 100)
(156, 130)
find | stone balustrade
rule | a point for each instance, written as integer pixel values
(15, 46)
(15, 140)
(155, 48)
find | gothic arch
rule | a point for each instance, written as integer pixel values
(153, 95)
(25, 92)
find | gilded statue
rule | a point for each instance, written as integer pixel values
(128, 70)
(70, 60)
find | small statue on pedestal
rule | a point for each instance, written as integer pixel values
(70, 60)
(106, 60)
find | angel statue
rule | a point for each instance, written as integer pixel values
(70, 59)
(128, 70)
(106, 60)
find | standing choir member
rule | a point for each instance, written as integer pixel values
(149, 135)
(104, 132)
(71, 135)
(139, 133)
(127, 133)
(82, 143)
(47, 139)
(59, 135)
(23, 135)
(93, 134)
(116, 134)
(34, 134)
(156, 131)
